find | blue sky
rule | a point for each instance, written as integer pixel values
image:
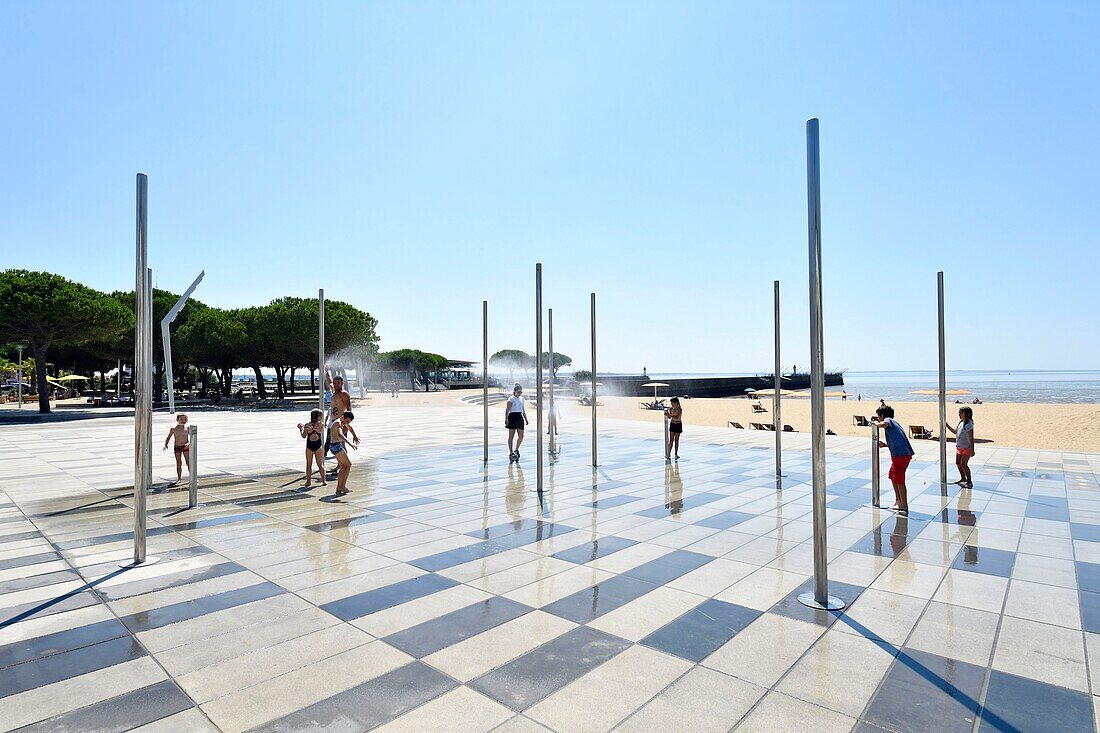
(415, 158)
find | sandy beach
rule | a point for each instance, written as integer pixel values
(1049, 426)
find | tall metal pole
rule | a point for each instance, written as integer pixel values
(143, 397)
(19, 376)
(538, 377)
(876, 468)
(943, 384)
(820, 597)
(321, 349)
(193, 467)
(776, 397)
(485, 376)
(595, 461)
(551, 420)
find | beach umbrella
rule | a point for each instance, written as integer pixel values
(655, 385)
(749, 390)
(936, 392)
(782, 392)
(72, 378)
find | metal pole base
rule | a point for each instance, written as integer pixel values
(149, 560)
(832, 603)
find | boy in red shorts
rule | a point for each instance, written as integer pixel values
(901, 453)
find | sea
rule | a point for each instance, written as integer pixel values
(1040, 386)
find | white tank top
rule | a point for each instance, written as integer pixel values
(515, 404)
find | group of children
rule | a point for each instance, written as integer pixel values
(338, 431)
(901, 451)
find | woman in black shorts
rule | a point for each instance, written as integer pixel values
(675, 415)
(515, 419)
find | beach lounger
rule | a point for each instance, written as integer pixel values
(757, 426)
(758, 408)
(860, 421)
(732, 424)
(789, 429)
(769, 426)
(919, 432)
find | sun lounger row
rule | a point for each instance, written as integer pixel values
(759, 426)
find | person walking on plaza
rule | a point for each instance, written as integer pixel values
(964, 446)
(675, 414)
(515, 419)
(340, 403)
(901, 453)
(182, 447)
(314, 432)
(338, 434)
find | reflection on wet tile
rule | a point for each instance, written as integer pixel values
(1021, 704)
(62, 666)
(676, 502)
(594, 550)
(369, 704)
(669, 567)
(791, 607)
(451, 628)
(525, 681)
(925, 692)
(696, 634)
(591, 603)
(159, 617)
(60, 641)
(503, 541)
(121, 713)
(985, 560)
(372, 601)
(725, 520)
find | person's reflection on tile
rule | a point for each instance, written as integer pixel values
(674, 489)
(515, 494)
(899, 537)
(966, 517)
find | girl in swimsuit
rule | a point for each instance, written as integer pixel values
(675, 426)
(314, 432)
(339, 445)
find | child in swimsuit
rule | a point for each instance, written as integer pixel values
(314, 432)
(182, 447)
(339, 444)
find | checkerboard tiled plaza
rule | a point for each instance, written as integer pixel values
(638, 597)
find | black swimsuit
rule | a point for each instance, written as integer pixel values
(313, 441)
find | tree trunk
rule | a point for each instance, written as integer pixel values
(260, 387)
(312, 380)
(292, 370)
(40, 379)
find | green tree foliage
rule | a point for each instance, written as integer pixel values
(413, 362)
(512, 359)
(41, 309)
(560, 360)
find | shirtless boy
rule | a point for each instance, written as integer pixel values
(183, 448)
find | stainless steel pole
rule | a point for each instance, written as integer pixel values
(321, 349)
(19, 377)
(820, 597)
(538, 377)
(551, 420)
(595, 461)
(143, 404)
(485, 376)
(668, 442)
(778, 425)
(876, 469)
(943, 385)
(193, 467)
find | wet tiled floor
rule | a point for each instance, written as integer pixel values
(441, 596)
